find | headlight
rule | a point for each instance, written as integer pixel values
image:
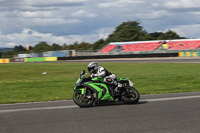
(130, 83)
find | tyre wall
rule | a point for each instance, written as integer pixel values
(189, 54)
(4, 60)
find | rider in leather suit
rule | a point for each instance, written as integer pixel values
(98, 71)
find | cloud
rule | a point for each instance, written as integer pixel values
(47, 21)
(28, 36)
(119, 3)
(83, 13)
(54, 2)
(42, 3)
(35, 14)
(154, 14)
(182, 4)
(191, 31)
(32, 37)
(67, 21)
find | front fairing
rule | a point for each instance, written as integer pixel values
(97, 86)
(101, 89)
(78, 82)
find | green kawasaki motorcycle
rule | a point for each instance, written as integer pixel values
(89, 93)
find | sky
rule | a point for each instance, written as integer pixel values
(25, 22)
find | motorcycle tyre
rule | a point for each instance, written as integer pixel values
(78, 103)
(126, 100)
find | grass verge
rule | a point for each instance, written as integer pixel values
(26, 83)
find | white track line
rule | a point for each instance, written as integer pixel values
(43, 102)
(75, 106)
(42, 108)
(170, 98)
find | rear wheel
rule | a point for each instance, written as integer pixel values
(83, 100)
(131, 96)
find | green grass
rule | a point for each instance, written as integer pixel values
(25, 82)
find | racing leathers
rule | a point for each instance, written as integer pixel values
(108, 77)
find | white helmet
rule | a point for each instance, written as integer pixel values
(92, 67)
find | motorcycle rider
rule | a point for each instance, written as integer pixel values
(98, 71)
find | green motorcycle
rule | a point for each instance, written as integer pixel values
(89, 93)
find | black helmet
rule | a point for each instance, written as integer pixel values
(92, 67)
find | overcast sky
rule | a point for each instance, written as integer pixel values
(66, 21)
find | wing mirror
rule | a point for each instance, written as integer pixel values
(82, 73)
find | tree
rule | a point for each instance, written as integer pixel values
(55, 47)
(19, 48)
(156, 35)
(128, 31)
(73, 46)
(85, 46)
(80, 46)
(41, 47)
(98, 44)
(8, 54)
(165, 36)
(65, 47)
(171, 35)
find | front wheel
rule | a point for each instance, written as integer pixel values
(131, 96)
(83, 100)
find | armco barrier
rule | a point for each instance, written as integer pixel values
(180, 54)
(189, 54)
(194, 54)
(4, 60)
(198, 53)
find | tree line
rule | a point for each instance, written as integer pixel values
(127, 31)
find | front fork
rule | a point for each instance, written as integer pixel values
(84, 93)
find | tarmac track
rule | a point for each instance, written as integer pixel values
(161, 113)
